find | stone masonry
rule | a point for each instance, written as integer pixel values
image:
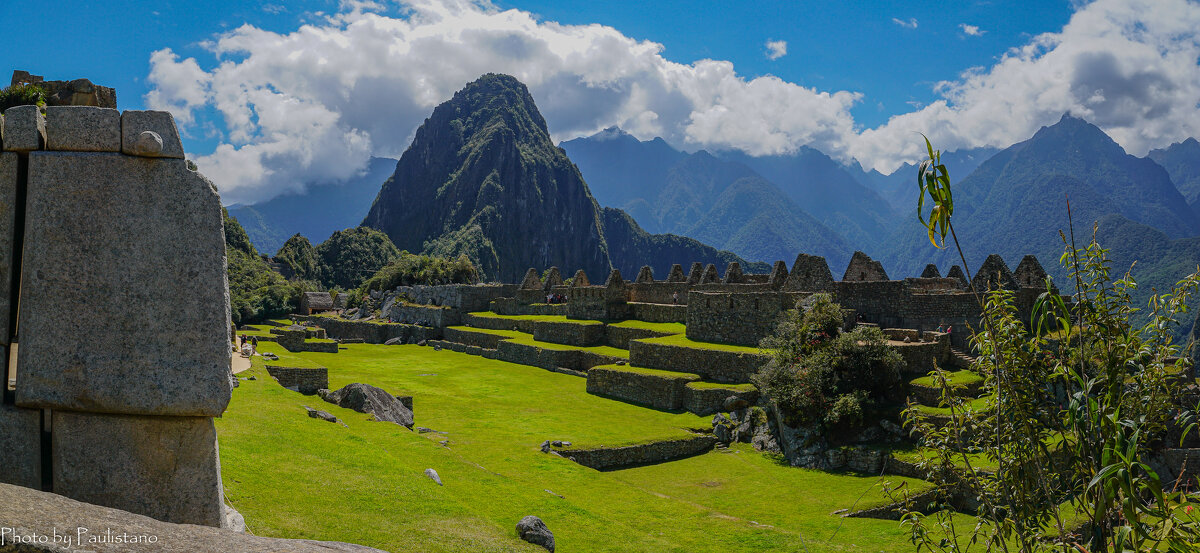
(124, 353)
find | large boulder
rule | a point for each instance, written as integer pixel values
(533, 530)
(365, 398)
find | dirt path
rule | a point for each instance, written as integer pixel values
(240, 363)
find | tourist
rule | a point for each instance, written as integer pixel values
(941, 328)
(253, 345)
(675, 298)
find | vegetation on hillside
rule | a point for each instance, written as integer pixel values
(1077, 421)
(299, 256)
(820, 376)
(22, 95)
(256, 292)
(412, 269)
(351, 256)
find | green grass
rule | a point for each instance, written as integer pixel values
(683, 341)
(527, 339)
(977, 405)
(293, 476)
(650, 372)
(286, 359)
(669, 328)
(258, 330)
(719, 386)
(542, 318)
(956, 379)
(504, 333)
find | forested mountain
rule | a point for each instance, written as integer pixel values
(899, 188)
(482, 178)
(717, 201)
(1182, 162)
(319, 211)
(1015, 202)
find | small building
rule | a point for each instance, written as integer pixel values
(316, 302)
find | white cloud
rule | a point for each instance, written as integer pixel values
(776, 49)
(971, 30)
(315, 103)
(1128, 66)
(910, 23)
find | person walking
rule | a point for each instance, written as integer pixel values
(253, 345)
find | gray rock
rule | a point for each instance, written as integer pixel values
(723, 433)
(83, 129)
(41, 513)
(23, 129)
(323, 415)
(135, 123)
(546, 446)
(161, 467)
(763, 440)
(141, 213)
(20, 445)
(8, 201)
(365, 398)
(734, 403)
(394, 342)
(422, 343)
(148, 144)
(433, 475)
(233, 520)
(533, 530)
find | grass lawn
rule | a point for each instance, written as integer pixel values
(544, 318)
(258, 330)
(719, 386)
(293, 476)
(671, 328)
(683, 341)
(977, 405)
(956, 379)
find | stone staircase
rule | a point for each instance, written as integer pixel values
(960, 359)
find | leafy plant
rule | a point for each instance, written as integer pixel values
(22, 95)
(1076, 420)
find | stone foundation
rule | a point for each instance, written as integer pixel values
(711, 364)
(582, 333)
(610, 458)
(304, 380)
(372, 332)
(658, 312)
(662, 390)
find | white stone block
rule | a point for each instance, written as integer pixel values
(83, 129)
(23, 129)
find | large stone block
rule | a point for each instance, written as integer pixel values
(20, 446)
(124, 294)
(162, 467)
(135, 123)
(83, 129)
(23, 129)
(8, 201)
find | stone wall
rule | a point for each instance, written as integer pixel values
(620, 336)
(423, 315)
(658, 312)
(511, 306)
(107, 198)
(294, 341)
(464, 297)
(498, 323)
(589, 333)
(736, 318)
(705, 400)
(711, 364)
(304, 380)
(655, 389)
(546, 358)
(469, 338)
(659, 292)
(372, 332)
(609, 458)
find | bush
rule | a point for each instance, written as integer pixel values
(822, 377)
(22, 95)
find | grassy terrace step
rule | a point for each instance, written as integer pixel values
(287, 472)
(627, 456)
(714, 362)
(977, 405)
(657, 389)
(962, 383)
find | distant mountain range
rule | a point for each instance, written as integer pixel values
(482, 178)
(317, 212)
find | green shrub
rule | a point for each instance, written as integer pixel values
(22, 95)
(819, 376)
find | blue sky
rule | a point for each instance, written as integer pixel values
(270, 95)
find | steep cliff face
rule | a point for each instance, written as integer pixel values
(482, 177)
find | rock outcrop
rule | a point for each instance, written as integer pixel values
(365, 398)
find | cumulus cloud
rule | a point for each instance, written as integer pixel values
(971, 30)
(314, 103)
(910, 23)
(776, 49)
(1128, 66)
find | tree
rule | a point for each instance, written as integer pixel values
(1083, 399)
